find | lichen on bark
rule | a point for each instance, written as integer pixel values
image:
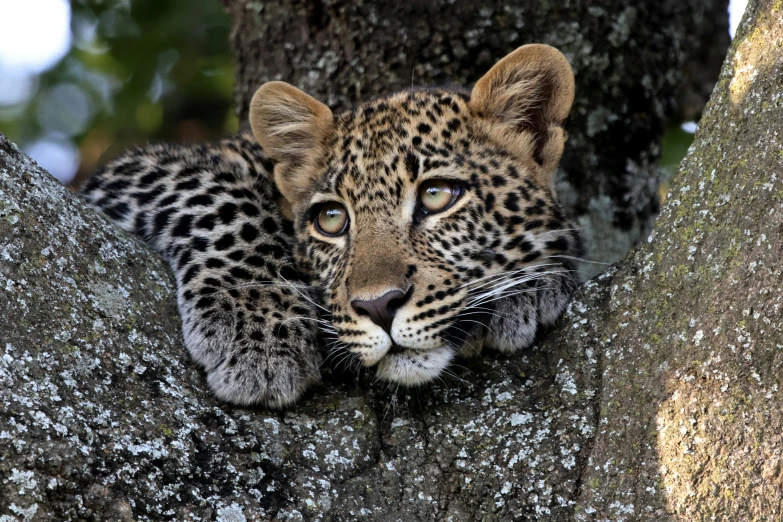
(691, 412)
(103, 416)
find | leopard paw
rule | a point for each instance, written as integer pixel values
(259, 375)
(256, 346)
(516, 319)
(514, 323)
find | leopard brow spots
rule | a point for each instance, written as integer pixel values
(412, 165)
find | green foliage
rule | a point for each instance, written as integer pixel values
(675, 144)
(138, 71)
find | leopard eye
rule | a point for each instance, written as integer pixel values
(332, 220)
(438, 194)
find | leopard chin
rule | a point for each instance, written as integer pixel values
(415, 365)
(412, 367)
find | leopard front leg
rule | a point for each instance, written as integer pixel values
(246, 315)
(213, 215)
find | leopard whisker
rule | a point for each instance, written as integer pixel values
(388, 385)
(345, 359)
(332, 354)
(516, 277)
(502, 295)
(480, 324)
(469, 344)
(327, 328)
(486, 311)
(392, 402)
(453, 375)
(479, 299)
(580, 259)
(332, 343)
(351, 361)
(311, 301)
(438, 376)
(559, 230)
(261, 284)
(506, 274)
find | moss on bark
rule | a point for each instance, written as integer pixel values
(691, 412)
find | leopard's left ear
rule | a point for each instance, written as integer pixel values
(526, 98)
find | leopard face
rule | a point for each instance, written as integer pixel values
(428, 219)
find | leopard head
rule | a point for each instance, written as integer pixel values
(428, 219)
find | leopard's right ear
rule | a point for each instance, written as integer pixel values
(291, 126)
(525, 100)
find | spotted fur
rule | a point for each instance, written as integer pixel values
(257, 291)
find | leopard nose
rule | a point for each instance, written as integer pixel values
(381, 310)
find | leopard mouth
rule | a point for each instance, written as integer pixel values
(396, 349)
(455, 336)
(413, 365)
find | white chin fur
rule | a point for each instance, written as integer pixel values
(370, 356)
(412, 367)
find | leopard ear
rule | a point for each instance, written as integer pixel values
(526, 97)
(291, 126)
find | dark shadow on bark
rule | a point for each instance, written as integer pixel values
(632, 61)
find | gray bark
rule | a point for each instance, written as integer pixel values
(691, 407)
(102, 416)
(632, 60)
(657, 398)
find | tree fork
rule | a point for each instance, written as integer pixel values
(657, 397)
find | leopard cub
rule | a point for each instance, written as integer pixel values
(407, 231)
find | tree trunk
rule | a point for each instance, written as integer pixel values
(628, 57)
(658, 397)
(690, 402)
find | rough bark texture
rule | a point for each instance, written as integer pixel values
(691, 406)
(102, 415)
(628, 57)
(658, 398)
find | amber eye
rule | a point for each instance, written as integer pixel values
(437, 195)
(332, 220)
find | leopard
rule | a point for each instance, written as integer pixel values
(406, 232)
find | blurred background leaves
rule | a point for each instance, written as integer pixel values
(132, 72)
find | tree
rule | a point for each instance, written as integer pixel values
(656, 399)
